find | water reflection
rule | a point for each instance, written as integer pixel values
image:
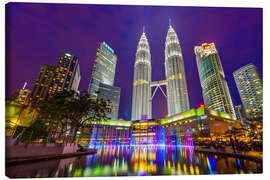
(136, 161)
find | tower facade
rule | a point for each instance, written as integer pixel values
(216, 94)
(101, 84)
(141, 98)
(103, 70)
(42, 83)
(177, 94)
(249, 85)
(67, 74)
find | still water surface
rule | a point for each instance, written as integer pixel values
(136, 161)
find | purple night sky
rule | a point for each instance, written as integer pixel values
(36, 34)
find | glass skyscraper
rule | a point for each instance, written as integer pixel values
(141, 98)
(67, 74)
(102, 79)
(103, 70)
(215, 90)
(177, 94)
(249, 85)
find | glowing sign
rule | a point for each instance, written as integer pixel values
(108, 47)
(206, 47)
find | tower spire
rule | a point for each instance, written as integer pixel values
(143, 29)
(24, 85)
(170, 22)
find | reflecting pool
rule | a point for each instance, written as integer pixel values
(136, 161)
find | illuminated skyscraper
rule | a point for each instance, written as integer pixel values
(42, 83)
(67, 74)
(249, 85)
(102, 80)
(103, 70)
(215, 90)
(177, 94)
(141, 99)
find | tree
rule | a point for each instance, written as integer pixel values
(72, 109)
(35, 132)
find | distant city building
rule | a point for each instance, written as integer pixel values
(111, 93)
(141, 98)
(67, 74)
(21, 96)
(249, 85)
(177, 94)
(104, 68)
(215, 90)
(102, 79)
(42, 83)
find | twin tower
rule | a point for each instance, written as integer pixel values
(177, 94)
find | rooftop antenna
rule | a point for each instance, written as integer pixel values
(170, 22)
(24, 85)
(143, 29)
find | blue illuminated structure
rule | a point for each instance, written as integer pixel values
(178, 130)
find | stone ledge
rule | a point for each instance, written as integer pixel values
(13, 161)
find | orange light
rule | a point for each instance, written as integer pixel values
(206, 47)
(201, 105)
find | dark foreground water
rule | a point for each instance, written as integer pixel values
(136, 161)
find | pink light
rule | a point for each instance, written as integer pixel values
(144, 117)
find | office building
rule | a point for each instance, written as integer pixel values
(141, 98)
(67, 74)
(249, 85)
(216, 94)
(102, 79)
(42, 83)
(103, 70)
(177, 94)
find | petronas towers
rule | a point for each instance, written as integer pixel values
(177, 95)
(141, 99)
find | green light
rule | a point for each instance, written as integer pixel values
(114, 123)
(87, 172)
(78, 173)
(200, 111)
(224, 115)
(17, 114)
(98, 171)
(189, 113)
